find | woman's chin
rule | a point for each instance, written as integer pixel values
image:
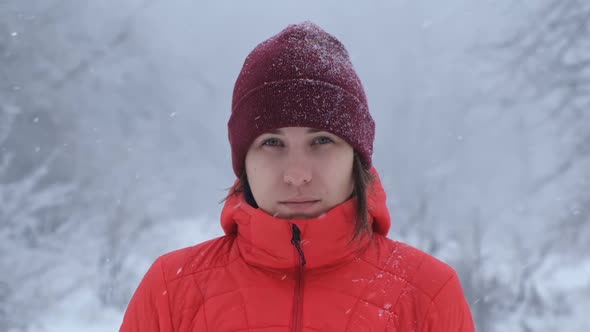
(298, 215)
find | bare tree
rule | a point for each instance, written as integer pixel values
(549, 68)
(550, 57)
(31, 232)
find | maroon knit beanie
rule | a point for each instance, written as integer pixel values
(301, 77)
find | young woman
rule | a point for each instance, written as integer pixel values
(305, 222)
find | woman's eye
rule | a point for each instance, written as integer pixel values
(272, 142)
(323, 140)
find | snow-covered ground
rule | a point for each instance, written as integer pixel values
(79, 312)
(82, 310)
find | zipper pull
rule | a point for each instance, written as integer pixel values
(296, 241)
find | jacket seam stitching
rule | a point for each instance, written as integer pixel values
(432, 304)
(367, 285)
(409, 281)
(167, 294)
(242, 296)
(184, 275)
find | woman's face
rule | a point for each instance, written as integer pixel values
(299, 172)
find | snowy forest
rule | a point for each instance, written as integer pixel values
(114, 149)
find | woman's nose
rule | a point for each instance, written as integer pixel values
(297, 175)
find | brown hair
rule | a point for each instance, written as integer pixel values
(362, 180)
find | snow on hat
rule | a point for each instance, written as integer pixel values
(301, 77)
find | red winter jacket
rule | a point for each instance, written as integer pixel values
(268, 274)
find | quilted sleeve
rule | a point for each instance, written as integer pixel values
(449, 311)
(149, 310)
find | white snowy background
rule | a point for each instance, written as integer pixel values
(113, 144)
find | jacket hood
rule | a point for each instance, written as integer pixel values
(265, 240)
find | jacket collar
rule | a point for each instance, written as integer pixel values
(265, 241)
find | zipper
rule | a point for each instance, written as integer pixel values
(300, 269)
